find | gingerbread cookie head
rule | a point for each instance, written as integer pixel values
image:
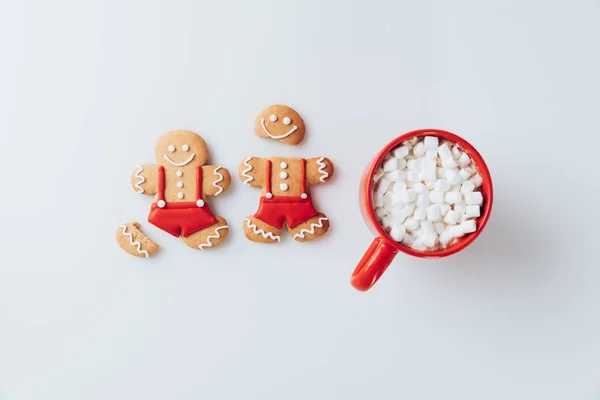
(181, 149)
(280, 123)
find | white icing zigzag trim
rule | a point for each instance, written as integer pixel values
(322, 166)
(319, 224)
(216, 172)
(266, 235)
(215, 236)
(135, 244)
(245, 172)
(141, 179)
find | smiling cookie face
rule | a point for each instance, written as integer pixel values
(280, 123)
(181, 149)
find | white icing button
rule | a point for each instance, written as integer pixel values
(185, 147)
(287, 121)
(171, 148)
(283, 165)
(180, 195)
(283, 186)
(269, 195)
(179, 184)
(283, 174)
(200, 203)
(179, 173)
(273, 117)
(304, 196)
(161, 204)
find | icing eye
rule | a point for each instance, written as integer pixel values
(171, 148)
(287, 121)
(273, 117)
(185, 147)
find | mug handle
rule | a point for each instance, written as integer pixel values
(376, 260)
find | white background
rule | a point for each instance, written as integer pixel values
(87, 87)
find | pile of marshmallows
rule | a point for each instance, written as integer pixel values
(426, 194)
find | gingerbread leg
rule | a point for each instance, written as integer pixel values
(210, 237)
(259, 231)
(315, 227)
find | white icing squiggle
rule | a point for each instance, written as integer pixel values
(141, 179)
(215, 183)
(215, 236)
(266, 235)
(322, 166)
(245, 172)
(131, 242)
(294, 128)
(311, 231)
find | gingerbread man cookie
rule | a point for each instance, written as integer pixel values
(285, 183)
(181, 182)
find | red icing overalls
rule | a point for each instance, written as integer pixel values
(294, 210)
(180, 218)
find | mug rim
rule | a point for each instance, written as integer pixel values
(481, 167)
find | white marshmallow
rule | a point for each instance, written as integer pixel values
(390, 165)
(434, 214)
(419, 149)
(428, 175)
(456, 231)
(431, 154)
(408, 196)
(418, 245)
(477, 180)
(436, 197)
(422, 200)
(383, 185)
(474, 198)
(467, 187)
(411, 164)
(451, 217)
(397, 233)
(399, 187)
(431, 142)
(429, 239)
(386, 222)
(401, 151)
(442, 185)
(378, 175)
(440, 172)
(456, 151)
(413, 176)
(428, 164)
(444, 208)
(430, 185)
(464, 160)
(408, 209)
(444, 151)
(473, 211)
(449, 162)
(427, 225)
(468, 226)
(465, 173)
(411, 224)
(445, 238)
(396, 176)
(377, 199)
(413, 141)
(420, 213)
(439, 227)
(408, 239)
(381, 212)
(452, 197)
(460, 207)
(452, 177)
(420, 188)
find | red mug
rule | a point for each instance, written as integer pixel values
(383, 250)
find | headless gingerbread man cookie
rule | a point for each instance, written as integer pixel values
(285, 183)
(181, 182)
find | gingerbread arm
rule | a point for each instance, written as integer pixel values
(252, 171)
(319, 170)
(215, 180)
(144, 179)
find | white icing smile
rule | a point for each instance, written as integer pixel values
(181, 164)
(262, 121)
